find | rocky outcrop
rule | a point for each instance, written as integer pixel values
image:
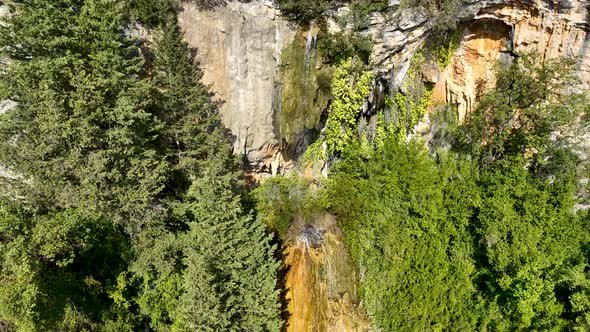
(491, 29)
(240, 45)
(239, 49)
(471, 70)
(498, 31)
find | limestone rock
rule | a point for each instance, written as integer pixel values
(238, 48)
(7, 105)
(552, 29)
(430, 71)
(471, 70)
(494, 29)
(411, 17)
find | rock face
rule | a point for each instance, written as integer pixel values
(492, 29)
(239, 48)
(471, 70)
(240, 45)
(550, 30)
(321, 281)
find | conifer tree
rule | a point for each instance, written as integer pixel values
(227, 278)
(99, 141)
(82, 133)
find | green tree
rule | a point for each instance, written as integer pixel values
(55, 268)
(206, 266)
(151, 12)
(83, 132)
(484, 237)
(530, 246)
(100, 141)
(223, 273)
(407, 228)
(516, 118)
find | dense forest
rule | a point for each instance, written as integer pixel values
(124, 208)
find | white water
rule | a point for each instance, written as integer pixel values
(310, 48)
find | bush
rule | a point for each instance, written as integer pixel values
(151, 12)
(414, 256)
(304, 11)
(280, 199)
(340, 46)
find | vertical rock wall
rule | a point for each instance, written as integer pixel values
(471, 70)
(240, 45)
(239, 49)
(550, 29)
(492, 28)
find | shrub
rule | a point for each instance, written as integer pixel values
(280, 199)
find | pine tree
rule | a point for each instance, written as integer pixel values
(100, 141)
(82, 133)
(81, 144)
(227, 279)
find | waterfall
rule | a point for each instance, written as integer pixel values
(310, 50)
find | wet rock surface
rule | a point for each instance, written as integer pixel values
(320, 280)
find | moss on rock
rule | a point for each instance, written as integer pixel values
(306, 88)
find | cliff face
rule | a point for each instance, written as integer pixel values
(239, 49)
(505, 29)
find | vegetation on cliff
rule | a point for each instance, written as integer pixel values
(482, 236)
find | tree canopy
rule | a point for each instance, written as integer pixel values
(124, 209)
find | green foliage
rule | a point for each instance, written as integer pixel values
(338, 47)
(405, 110)
(218, 275)
(151, 12)
(209, 267)
(409, 111)
(55, 268)
(350, 88)
(444, 123)
(444, 14)
(516, 118)
(100, 152)
(127, 213)
(406, 238)
(304, 11)
(495, 241)
(361, 9)
(314, 152)
(496, 250)
(530, 242)
(442, 45)
(280, 199)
